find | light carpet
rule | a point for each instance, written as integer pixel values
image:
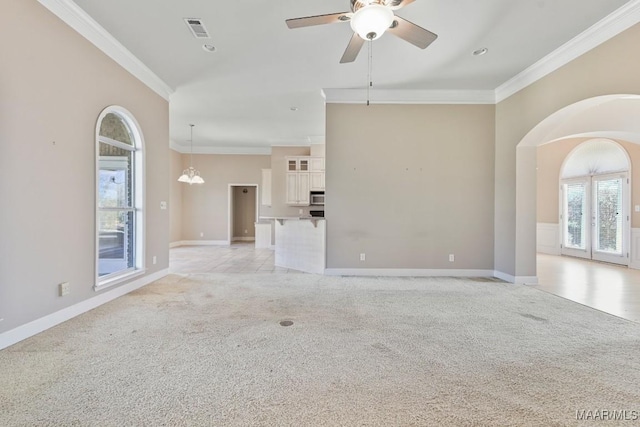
(209, 350)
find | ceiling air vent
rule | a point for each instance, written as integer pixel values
(197, 28)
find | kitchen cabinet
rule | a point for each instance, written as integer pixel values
(298, 164)
(298, 180)
(316, 166)
(304, 174)
(266, 187)
(298, 188)
(316, 181)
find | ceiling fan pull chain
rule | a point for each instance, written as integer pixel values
(369, 71)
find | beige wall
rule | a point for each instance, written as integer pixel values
(611, 68)
(175, 202)
(205, 208)
(53, 86)
(550, 159)
(244, 212)
(410, 184)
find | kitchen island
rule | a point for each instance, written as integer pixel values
(300, 243)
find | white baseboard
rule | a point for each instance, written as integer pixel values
(404, 272)
(548, 238)
(35, 327)
(520, 280)
(244, 239)
(200, 243)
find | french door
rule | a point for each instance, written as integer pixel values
(595, 218)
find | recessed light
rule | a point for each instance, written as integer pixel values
(208, 48)
(294, 108)
(480, 52)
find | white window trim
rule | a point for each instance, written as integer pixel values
(113, 279)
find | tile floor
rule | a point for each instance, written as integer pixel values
(237, 258)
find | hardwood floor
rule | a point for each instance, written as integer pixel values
(606, 287)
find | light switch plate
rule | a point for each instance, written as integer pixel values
(163, 205)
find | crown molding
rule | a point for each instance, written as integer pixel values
(603, 30)
(185, 149)
(71, 14)
(408, 96)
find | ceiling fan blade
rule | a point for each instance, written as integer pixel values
(353, 49)
(412, 33)
(398, 4)
(309, 21)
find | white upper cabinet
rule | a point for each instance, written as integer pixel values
(317, 173)
(317, 181)
(298, 188)
(304, 174)
(298, 164)
(266, 187)
(317, 164)
(298, 180)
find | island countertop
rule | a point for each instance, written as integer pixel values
(281, 219)
(293, 218)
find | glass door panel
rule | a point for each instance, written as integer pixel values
(595, 218)
(576, 219)
(610, 217)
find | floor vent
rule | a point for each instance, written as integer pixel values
(197, 28)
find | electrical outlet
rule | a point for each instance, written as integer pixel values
(202, 234)
(246, 231)
(452, 257)
(363, 257)
(154, 259)
(64, 289)
(163, 205)
(300, 211)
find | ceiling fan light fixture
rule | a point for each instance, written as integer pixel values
(370, 22)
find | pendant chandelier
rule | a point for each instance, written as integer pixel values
(191, 175)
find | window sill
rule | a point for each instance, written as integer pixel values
(113, 281)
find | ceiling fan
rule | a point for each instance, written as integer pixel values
(369, 20)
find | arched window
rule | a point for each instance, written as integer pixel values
(119, 197)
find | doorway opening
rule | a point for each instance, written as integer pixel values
(594, 194)
(243, 212)
(608, 116)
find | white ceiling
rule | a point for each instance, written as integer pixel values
(240, 96)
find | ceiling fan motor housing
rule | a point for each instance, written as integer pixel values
(371, 21)
(359, 4)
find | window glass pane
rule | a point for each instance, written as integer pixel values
(609, 197)
(116, 241)
(575, 211)
(118, 156)
(114, 127)
(114, 180)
